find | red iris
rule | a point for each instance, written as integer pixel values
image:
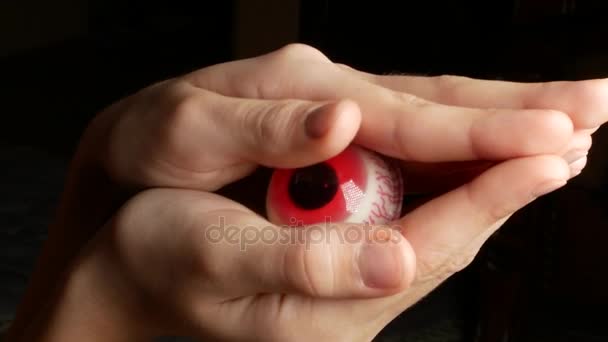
(315, 194)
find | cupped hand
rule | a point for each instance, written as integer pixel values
(197, 264)
(427, 119)
(436, 125)
(440, 127)
(290, 107)
(213, 126)
(293, 107)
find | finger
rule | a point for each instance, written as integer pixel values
(393, 123)
(578, 147)
(442, 230)
(217, 246)
(203, 279)
(169, 145)
(437, 178)
(577, 166)
(322, 261)
(582, 100)
(285, 133)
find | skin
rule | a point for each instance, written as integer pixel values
(140, 193)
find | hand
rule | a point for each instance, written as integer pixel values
(191, 263)
(213, 126)
(183, 262)
(579, 99)
(127, 147)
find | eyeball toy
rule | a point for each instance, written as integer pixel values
(356, 186)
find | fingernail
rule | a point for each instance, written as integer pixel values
(548, 187)
(318, 122)
(574, 155)
(380, 264)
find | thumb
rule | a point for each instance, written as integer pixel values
(323, 261)
(290, 133)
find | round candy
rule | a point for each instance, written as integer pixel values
(356, 186)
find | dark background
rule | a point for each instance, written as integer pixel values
(541, 278)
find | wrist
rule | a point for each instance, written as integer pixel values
(93, 302)
(115, 309)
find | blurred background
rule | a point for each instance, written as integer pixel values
(541, 278)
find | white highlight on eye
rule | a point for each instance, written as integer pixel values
(353, 195)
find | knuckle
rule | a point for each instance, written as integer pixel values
(207, 266)
(143, 202)
(304, 277)
(155, 117)
(271, 124)
(266, 125)
(431, 266)
(461, 262)
(490, 211)
(456, 264)
(184, 109)
(206, 259)
(302, 269)
(409, 99)
(502, 211)
(128, 213)
(449, 85)
(441, 268)
(182, 99)
(275, 74)
(183, 114)
(178, 118)
(299, 51)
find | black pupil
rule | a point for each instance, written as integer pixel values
(314, 186)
